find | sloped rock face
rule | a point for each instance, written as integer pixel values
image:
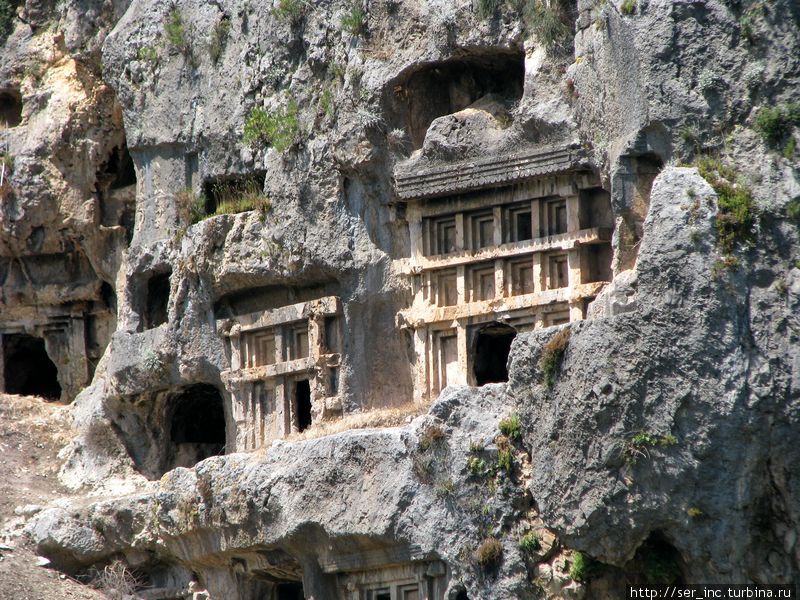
(668, 434)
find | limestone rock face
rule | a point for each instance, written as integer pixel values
(662, 432)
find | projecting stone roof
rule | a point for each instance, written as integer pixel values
(414, 183)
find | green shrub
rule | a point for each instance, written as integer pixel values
(147, 54)
(641, 443)
(505, 456)
(793, 210)
(510, 427)
(489, 554)
(530, 543)
(694, 512)
(175, 31)
(477, 467)
(628, 7)
(354, 20)
(735, 208)
(8, 12)
(279, 129)
(552, 355)
(289, 10)
(218, 39)
(775, 123)
(584, 567)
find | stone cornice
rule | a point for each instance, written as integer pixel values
(462, 176)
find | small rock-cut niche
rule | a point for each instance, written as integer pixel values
(251, 300)
(10, 108)
(115, 183)
(27, 369)
(197, 424)
(232, 193)
(492, 346)
(157, 302)
(422, 94)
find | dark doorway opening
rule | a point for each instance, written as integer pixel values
(289, 591)
(302, 404)
(27, 368)
(492, 346)
(462, 595)
(157, 300)
(197, 426)
(10, 108)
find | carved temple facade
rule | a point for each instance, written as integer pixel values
(284, 369)
(498, 246)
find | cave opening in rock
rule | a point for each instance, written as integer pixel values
(27, 368)
(441, 88)
(292, 590)
(10, 108)
(120, 167)
(656, 562)
(302, 404)
(157, 300)
(197, 425)
(462, 595)
(490, 358)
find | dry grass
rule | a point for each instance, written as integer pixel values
(33, 415)
(377, 418)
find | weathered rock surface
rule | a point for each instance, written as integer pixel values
(669, 433)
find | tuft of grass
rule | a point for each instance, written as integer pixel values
(584, 567)
(445, 488)
(545, 22)
(736, 210)
(489, 554)
(279, 129)
(530, 543)
(694, 512)
(218, 39)
(510, 427)
(116, 580)
(175, 31)
(354, 20)
(289, 10)
(628, 7)
(505, 456)
(432, 436)
(376, 418)
(552, 355)
(237, 196)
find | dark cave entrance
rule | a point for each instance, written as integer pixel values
(197, 426)
(490, 359)
(28, 369)
(10, 108)
(289, 591)
(656, 562)
(157, 300)
(302, 404)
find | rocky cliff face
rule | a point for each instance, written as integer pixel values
(653, 444)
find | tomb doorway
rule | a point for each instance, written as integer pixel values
(28, 369)
(302, 404)
(197, 426)
(490, 358)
